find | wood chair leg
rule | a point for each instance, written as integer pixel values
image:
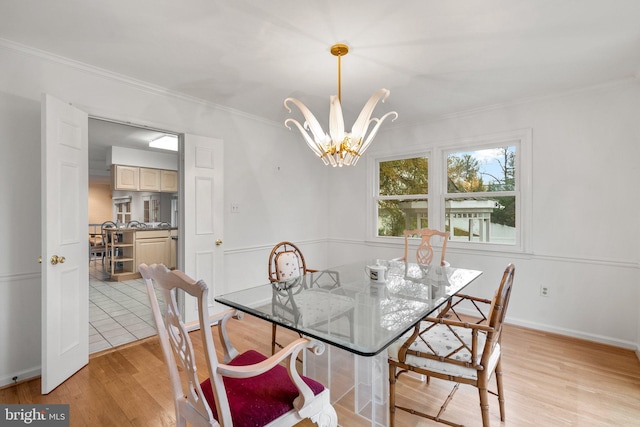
(392, 395)
(500, 389)
(273, 338)
(484, 404)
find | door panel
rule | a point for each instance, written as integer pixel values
(203, 216)
(65, 245)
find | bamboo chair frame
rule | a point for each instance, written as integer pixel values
(479, 360)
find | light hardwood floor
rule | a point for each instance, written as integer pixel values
(550, 380)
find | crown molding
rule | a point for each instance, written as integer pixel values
(124, 79)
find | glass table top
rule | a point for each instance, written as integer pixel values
(344, 307)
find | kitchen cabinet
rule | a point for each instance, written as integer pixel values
(149, 179)
(125, 177)
(134, 178)
(153, 247)
(129, 247)
(168, 181)
(121, 251)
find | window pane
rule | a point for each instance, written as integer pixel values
(482, 170)
(482, 219)
(404, 177)
(394, 216)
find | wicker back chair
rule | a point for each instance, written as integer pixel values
(286, 262)
(453, 350)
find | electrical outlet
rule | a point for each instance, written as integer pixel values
(235, 208)
(544, 291)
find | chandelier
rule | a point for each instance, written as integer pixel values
(340, 148)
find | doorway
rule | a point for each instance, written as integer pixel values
(119, 311)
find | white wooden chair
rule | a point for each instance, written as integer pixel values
(247, 388)
(425, 252)
(460, 351)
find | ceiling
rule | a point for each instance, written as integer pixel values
(105, 134)
(437, 57)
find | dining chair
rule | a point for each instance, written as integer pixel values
(97, 247)
(425, 252)
(246, 388)
(464, 352)
(106, 238)
(136, 224)
(287, 265)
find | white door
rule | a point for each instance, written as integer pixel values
(65, 246)
(202, 216)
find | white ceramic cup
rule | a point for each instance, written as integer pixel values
(377, 273)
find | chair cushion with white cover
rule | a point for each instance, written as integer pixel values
(288, 265)
(253, 403)
(442, 339)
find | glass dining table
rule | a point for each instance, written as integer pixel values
(358, 309)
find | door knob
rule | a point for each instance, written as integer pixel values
(57, 259)
(218, 242)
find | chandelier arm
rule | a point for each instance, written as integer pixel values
(362, 122)
(336, 120)
(311, 121)
(315, 147)
(374, 130)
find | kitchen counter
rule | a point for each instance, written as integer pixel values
(130, 247)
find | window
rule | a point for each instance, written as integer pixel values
(403, 195)
(123, 209)
(481, 195)
(151, 209)
(480, 191)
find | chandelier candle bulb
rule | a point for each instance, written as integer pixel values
(339, 148)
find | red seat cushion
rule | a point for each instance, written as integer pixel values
(258, 400)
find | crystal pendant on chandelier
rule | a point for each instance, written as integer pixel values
(340, 148)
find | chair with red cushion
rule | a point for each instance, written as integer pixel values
(247, 388)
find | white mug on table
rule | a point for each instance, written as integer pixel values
(377, 273)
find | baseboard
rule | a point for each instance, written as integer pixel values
(566, 332)
(20, 377)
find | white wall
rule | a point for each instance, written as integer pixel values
(142, 158)
(276, 204)
(584, 240)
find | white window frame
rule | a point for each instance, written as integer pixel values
(122, 216)
(376, 190)
(438, 186)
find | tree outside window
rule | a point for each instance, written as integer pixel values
(480, 191)
(403, 195)
(480, 204)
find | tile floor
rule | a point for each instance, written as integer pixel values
(119, 312)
